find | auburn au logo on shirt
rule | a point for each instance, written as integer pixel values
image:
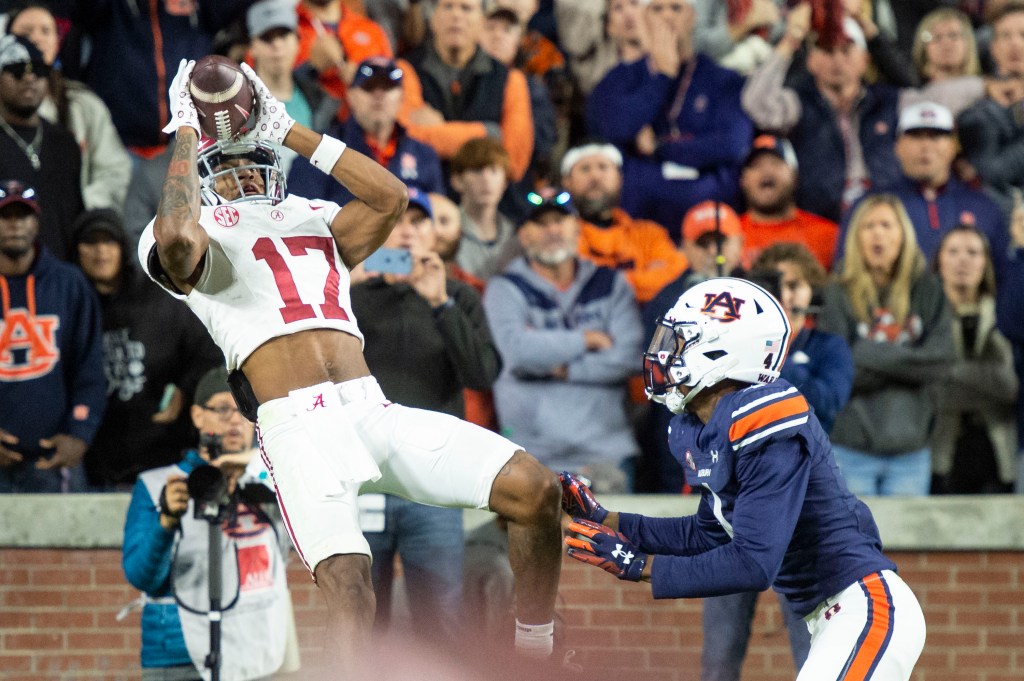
(28, 345)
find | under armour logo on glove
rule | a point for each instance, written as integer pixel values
(626, 556)
(607, 549)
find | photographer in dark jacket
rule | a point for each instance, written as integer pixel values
(154, 352)
(426, 340)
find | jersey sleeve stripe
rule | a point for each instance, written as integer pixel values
(769, 431)
(877, 632)
(767, 415)
(754, 404)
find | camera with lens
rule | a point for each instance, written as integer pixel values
(207, 485)
(213, 444)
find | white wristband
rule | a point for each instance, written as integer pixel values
(327, 153)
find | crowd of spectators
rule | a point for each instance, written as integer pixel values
(581, 162)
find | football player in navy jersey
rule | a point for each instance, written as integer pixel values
(774, 509)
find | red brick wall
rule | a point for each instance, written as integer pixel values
(57, 623)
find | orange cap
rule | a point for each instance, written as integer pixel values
(700, 219)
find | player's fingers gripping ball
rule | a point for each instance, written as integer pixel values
(606, 549)
(272, 120)
(182, 108)
(578, 500)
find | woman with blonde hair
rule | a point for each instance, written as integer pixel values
(945, 56)
(944, 46)
(893, 313)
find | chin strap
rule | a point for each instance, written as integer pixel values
(676, 401)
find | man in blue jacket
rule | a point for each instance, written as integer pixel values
(677, 119)
(374, 98)
(935, 199)
(52, 388)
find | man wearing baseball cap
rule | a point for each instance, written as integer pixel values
(713, 245)
(935, 199)
(569, 333)
(642, 249)
(842, 128)
(42, 154)
(274, 46)
(373, 98)
(768, 183)
(52, 384)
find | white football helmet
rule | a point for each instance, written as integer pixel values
(721, 328)
(258, 156)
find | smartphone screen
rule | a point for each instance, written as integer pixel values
(389, 261)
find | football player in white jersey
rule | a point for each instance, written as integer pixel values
(269, 277)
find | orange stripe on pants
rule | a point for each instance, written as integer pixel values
(878, 631)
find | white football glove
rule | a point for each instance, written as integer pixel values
(183, 109)
(272, 120)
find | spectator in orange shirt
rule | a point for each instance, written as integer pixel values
(457, 92)
(768, 184)
(333, 39)
(642, 249)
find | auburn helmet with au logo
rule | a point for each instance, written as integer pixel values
(721, 328)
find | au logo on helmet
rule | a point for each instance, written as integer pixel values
(722, 306)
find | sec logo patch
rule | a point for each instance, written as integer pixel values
(226, 216)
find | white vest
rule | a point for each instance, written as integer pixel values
(270, 270)
(254, 630)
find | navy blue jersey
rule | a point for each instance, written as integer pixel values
(774, 509)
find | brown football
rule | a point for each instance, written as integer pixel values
(224, 98)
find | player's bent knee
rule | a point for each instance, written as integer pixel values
(526, 491)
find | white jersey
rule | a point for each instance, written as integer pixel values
(270, 270)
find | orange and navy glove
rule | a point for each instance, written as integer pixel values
(607, 549)
(577, 499)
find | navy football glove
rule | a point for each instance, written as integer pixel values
(578, 501)
(607, 549)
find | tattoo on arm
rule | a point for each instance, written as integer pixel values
(179, 199)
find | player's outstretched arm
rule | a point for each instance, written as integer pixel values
(181, 242)
(380, 198)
